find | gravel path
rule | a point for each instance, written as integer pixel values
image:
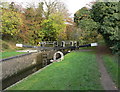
(106, 81)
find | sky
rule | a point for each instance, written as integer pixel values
(72, 5)
(75, 5)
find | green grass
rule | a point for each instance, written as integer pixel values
(78, 71)
(10, 54)
(112, 66)
(8, 49)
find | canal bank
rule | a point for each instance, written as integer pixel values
(75, 72)
(18, 67)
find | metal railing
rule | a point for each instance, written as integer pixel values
(63, 45)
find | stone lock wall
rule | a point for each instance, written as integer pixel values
(14, 65)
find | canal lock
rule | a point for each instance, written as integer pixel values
(28, 63)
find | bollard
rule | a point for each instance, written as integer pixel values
(55, 44)
(75, 43)
(71, 43)
(63, 44)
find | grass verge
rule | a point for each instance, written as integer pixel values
(112, 66)
(78, 71)
(10, 54)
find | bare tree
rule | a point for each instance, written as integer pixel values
(55, 6)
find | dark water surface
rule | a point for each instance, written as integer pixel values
(24, 73)
(20, 75)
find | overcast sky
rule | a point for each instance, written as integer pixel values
(72, 5)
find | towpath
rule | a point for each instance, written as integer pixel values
(106, 80)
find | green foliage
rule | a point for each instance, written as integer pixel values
(106, 14)
(10, 22)
(103, 18)
(87, 26)
(52, 27)
(31, 25)
(49, 30)
(81, 14)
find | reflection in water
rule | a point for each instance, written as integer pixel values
(20, 75)
(24, 73)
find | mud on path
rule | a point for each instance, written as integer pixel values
(106, 80)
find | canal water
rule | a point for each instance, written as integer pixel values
(21, 74)
(7, 82)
